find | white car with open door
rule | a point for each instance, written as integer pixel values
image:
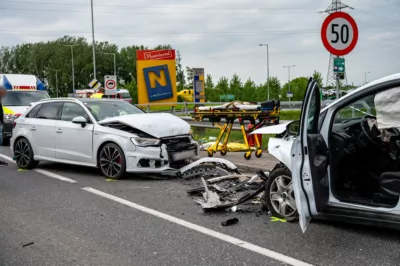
(344, 163)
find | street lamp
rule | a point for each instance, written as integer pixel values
(365, 77)
(115, 64)
(288, 67)
(265, 44)
(72, 63)
(93, 42)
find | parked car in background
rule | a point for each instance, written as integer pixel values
(22, 90)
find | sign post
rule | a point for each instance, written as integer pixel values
(339, 35)
(198, 85)
(110, 85)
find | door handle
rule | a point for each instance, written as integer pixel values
(59, 130)
(33, 128)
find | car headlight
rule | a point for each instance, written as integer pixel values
(9, 118)
(144, 142)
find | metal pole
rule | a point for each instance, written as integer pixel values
(115, 66)
(73, 70)
(289, 79)
(93, 43)
(57, 83)
(268, 70)
(337, 86)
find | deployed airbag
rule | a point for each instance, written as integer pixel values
(387, 105)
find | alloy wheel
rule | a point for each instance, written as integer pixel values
(282, 196)
(22, 153)
(111, 161)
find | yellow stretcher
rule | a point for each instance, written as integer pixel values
(258, 115)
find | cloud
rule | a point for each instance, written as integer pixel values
(223, 36)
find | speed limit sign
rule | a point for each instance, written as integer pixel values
(339, 33)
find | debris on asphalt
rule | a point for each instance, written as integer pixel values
(28, 244)
(230, 221)
(227, 192)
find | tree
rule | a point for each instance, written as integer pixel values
(235, 87)
(298, 87)
(189, 75)
(132, 88)
(222, 87)
(249, 91)
(209, 88)
(180, 74)
(274, 90)
(318, 78)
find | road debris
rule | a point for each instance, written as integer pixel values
(230, 221)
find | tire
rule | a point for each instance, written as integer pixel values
(111, 161)
(286, 194)
(23, 154)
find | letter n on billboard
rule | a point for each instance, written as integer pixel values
(158, 83)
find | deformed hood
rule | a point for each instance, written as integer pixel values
(159, 125)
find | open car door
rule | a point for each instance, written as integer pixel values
(311, 160)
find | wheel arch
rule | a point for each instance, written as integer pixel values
(104, 144)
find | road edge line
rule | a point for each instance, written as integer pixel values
(43, 172)
(226, 238)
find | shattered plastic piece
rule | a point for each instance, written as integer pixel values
(230, 221)
(212, 198)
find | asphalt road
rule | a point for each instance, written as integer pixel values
(84, 219)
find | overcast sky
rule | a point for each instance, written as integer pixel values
(223, 36)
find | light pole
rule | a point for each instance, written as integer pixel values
(265, 44)
(365, 77)
(115, 64)
(288, 67)
(72, 63)
(93, 42)
(57, 82)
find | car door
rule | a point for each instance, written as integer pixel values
(311, 160)
(42, 127)
(74, 142)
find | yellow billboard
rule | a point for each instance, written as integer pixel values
(156, 76)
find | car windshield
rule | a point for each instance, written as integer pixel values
(23, 98)
(103, 109)
(125, 95)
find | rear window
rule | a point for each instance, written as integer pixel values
(23, 98)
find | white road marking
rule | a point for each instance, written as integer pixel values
(43, 172)
(235, 241)
(55, 176)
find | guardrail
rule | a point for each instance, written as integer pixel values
(184, 108)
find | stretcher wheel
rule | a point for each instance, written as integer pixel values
(247, 155)
(223, 152)
(210, 154)
(259, 153)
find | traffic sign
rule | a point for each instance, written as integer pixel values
(338, 65)
(94, 84)
(289, 94)
(111, 85)
(339, 33)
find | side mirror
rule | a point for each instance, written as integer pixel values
(80, 120)
(293, 128)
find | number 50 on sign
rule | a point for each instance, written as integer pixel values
(339, 33)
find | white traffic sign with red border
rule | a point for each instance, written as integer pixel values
(339, 33)
(110, 85)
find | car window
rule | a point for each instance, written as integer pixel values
(34, 111)
(72, 110)
(312, 128)
(103, 109)
(49, 111)
(356, 110)
(23, 98)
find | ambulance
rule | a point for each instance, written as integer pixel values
(22, 90)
